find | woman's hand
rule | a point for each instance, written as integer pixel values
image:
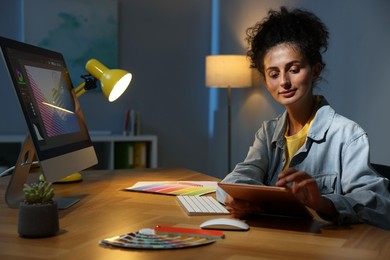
(305, 188)
(240, 208)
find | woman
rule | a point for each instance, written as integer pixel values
(321, 156)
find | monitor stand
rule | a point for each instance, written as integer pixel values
(14, 193)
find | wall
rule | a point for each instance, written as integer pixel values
(164, 43)
(356, 76)
(11, 116)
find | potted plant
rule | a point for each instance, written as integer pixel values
(38, 215)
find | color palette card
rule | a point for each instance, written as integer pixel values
(153, 239)
(183, 188)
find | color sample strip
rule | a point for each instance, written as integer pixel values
(174, 188)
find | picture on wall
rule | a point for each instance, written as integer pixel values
(80, 30)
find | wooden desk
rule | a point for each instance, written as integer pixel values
(107, 211)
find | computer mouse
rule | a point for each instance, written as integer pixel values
(225, 224)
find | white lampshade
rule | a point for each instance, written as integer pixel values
(228, 71)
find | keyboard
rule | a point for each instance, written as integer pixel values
(201, 205)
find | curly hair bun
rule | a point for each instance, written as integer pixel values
(298, 27)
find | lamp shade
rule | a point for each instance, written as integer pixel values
(228, 71)
(113, 81)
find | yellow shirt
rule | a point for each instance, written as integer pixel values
(294, 142)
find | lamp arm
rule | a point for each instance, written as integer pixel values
(80, 90)
(89, 83)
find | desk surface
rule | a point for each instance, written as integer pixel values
(106, 210)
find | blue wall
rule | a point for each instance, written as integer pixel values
(164, 44)
(356, 77)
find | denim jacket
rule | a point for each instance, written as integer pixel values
(335, 153)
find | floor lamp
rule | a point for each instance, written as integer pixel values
(228, 71)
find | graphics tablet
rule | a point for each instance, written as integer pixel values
(274, 200)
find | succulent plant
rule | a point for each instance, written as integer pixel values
(39, 192)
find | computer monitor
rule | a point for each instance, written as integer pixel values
(57, 134)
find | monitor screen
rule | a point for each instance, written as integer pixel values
(50, 107)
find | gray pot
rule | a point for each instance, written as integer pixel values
(38, 220)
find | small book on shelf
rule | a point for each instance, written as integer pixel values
(130, 155)
(132, 123)
(140, 155)
(124, 155)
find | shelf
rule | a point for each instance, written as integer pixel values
(109, 142)
(104, 147)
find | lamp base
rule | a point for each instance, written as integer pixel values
(74, 177)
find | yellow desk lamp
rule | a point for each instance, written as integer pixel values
(113, 83)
